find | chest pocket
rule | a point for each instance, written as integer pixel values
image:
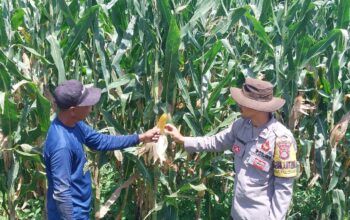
(258, 170)
(259, 163)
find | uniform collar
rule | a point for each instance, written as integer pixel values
(267, 128)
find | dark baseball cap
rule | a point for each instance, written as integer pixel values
(73, 93)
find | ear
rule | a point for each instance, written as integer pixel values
(72, 110)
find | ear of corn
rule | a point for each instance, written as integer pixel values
(186, 59)
(161, 122)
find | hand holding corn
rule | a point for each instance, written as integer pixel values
(174, 133)
(150, 135)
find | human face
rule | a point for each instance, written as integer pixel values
(81, 112)
(246, 112)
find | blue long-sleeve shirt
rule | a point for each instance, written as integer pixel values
(69, 180)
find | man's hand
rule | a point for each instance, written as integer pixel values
(174, 133)
(150, 135)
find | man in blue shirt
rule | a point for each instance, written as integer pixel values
(69, 180)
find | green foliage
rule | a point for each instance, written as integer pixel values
(154, 56)
(306, 201)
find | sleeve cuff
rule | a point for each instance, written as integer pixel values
(189, 144)
(137, 139)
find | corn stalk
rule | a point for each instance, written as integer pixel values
(154, 56)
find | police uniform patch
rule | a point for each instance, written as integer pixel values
(262, 154)
(265, 146)
(259, 163)
(285, 158)
(236, 149)
(284, 151)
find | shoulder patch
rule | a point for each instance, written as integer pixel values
(285, 163)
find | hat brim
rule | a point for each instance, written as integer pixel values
(93, 96)
(270, 106)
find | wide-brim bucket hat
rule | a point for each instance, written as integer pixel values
(258, 95)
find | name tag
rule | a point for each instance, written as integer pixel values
(259, 163)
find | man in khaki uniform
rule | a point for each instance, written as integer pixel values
(265, 153)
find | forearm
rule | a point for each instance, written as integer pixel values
(64, 207)
(199, 144)
(281, 198)
(220, 142)
(108, 142)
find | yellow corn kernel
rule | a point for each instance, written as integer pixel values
(161, 122)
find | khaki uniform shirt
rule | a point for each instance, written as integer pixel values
(260, 190)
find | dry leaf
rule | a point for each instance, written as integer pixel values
(198, 103)
(154, 150)
(19, 186)
(105, 207)
(146, 150)
(27, 65)
(50, 97)
(159, 151)
(346, 167)
(260, 76)
(6, 155)
(313, 181)
(347, 96)
(118, 154)
(299, 109)
(339, 130)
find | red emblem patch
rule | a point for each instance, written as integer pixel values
(236, 149)
(259, 164)
(265, 146)
(284, 150)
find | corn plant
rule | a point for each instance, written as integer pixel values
(177, 57)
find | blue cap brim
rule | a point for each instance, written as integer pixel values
(93, 96)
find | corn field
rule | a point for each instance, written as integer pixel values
(179, 57)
